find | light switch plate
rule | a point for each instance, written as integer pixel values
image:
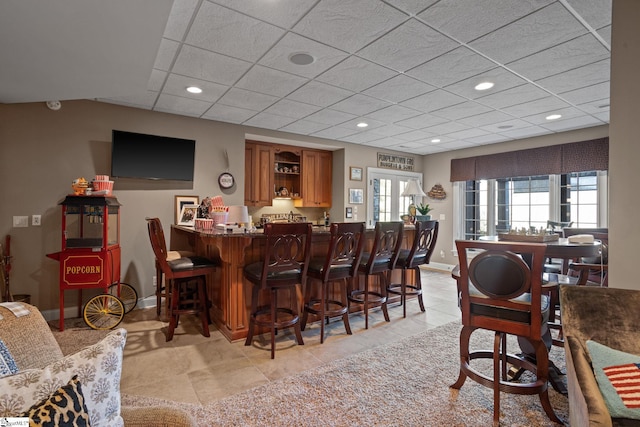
(20, 221)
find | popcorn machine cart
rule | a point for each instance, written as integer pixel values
(90, 258)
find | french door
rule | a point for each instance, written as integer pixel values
(384, 200)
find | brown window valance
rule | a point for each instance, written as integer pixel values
(555, 159)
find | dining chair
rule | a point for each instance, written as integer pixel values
(339, 266)
(379, 262)
(283, 268)
(424, 243)
(186, 280)
(592, 271)
(500, 292)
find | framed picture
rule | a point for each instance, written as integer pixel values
(356, 196)
(188, 215)
(182, 201)
(355, 174)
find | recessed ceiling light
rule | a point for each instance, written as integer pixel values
(362, 125)
(301, 58)
(435, 140)
(484, 86)
(194, 89)
(553, 116)
(505, 127)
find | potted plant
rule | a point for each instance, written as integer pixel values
(424, 212)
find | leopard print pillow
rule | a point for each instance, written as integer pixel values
(65, 407)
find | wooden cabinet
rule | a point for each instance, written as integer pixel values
(258, 180)
(316, 179)
(286, 171)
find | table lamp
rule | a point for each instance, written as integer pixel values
(238, 215)
(413, 190)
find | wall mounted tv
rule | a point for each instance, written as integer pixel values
(137, 155)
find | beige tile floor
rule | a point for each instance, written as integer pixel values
(195, 369)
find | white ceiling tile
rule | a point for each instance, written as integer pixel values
(579, 77)
(455, 145)
(305, 127)
(180, 105)
(225, 31)
(502, 79)
(320, 94)
(462, 110)
(360, 105)
(390, 130)
(490, 138)
(538, 106)
(336, 132)
(363, 137)
(513, 96)
(447, 128)
(597, 13)
(421, 121)
(226, 113)
(407, 46)
(156, 80)
(415, 135)
(467, 134)
(412, 7)
(527, 132)
(398, 89)
(271, 82)
(563, 57)
(210, 66)
(541, 119)
(604, 116)
(505, 125)
(166, 54)
(324, 56)
(294, 109)
(433, 101)
(179, 19)
(247, 99)
(393, 113)
(460, 64)
(268, 121)
(605, 33)
(330, 117)
(542, 29)
(283, 13)
(144, 100)
(387, 142)
(365, 21)
(572, 123)
(587, 94)
(373, 124)
(177, 85)
(486, 119)
(597, 106)
(355, 74)
(413, 145)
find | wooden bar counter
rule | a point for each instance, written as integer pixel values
(228, 290)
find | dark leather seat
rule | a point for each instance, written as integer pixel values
(284, 267)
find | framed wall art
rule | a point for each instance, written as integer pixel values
(181, 201)
(355, 174)
(356, 196)
(188, 215)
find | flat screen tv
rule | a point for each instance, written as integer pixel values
(137, 155)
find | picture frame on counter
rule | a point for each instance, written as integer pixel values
(355, 173)
(180, 202)
(188, 215)
(356, 196)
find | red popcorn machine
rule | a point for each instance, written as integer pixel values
(90, 258)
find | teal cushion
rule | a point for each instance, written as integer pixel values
(618, 377)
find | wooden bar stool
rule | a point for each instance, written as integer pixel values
(338, 266)
(284, 267)
(186, 278)
(380, 261)
(424, 242)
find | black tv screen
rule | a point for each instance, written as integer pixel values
(137, 155)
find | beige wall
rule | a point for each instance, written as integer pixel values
(42, 151)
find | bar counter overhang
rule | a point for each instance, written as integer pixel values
(227, 290)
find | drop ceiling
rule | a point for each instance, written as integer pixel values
(408, 68)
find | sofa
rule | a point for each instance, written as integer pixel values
(601, 331)
(36, 371)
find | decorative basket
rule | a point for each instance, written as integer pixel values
(218, 217)
(106, 186)
(204, 224)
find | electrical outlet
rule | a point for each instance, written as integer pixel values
(442, 217)
(36, 220)
(20, 221)
(441, 254)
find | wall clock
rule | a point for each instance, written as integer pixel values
(225, 180)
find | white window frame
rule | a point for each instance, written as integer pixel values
(395, 175)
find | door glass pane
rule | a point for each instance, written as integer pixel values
(382, 199)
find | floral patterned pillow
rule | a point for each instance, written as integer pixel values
(98, 368)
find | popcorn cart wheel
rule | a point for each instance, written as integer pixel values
(103, 311)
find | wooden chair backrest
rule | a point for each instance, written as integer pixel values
(345, 250)
(386, 246)
(288, 249)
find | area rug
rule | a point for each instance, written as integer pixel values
(401, 384)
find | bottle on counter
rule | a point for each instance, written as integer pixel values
(326, 219)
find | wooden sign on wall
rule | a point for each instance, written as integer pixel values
(392, 161)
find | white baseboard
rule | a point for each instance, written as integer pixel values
(439, 266)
